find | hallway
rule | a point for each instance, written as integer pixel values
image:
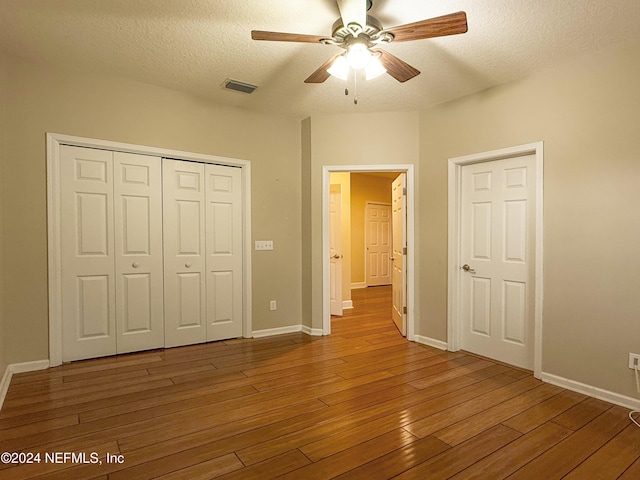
(371, 314)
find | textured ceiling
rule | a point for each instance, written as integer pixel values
(194, 45)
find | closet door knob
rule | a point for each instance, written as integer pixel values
(135, 264)
(188, 265)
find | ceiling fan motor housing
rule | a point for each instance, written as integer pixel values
(370, 34)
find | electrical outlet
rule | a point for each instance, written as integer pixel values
(634, 361)
(273, 305)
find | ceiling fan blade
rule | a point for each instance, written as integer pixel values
(451, 24)
(285, 37)
(353, 11)
(397, 68)
(321, 74)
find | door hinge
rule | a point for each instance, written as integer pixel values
(404, 310)
(404, 250)
(404, 191)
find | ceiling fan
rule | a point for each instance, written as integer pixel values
(360, 35)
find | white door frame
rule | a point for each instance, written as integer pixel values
(54, 141)
(411, 267)
(454, 217)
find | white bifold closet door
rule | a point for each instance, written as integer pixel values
(111, 252)
(202, 252)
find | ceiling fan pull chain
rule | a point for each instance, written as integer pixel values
(355, 87)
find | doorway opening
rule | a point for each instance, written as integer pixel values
(407, 257)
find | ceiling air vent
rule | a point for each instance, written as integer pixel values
(239, 86)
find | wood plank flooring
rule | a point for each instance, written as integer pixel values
(362, 403)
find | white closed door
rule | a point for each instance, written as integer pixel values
(87, 253)
(151, 252)
(111, 252)
(378, 244)
(399, 257)
(224, 262)
(497, 249)
(138, 252)
(203, 252)
(335, 250)
(184, 252)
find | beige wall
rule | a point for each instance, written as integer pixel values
(46, 100)
(4, 120)
(305, 185)
(350, 139)
(587, 113)
(364, 188)
(343, 179)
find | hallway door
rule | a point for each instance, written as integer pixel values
(497, 244)
(335, 249)
(378, 239)
(399, 258)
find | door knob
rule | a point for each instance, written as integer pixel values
(467, 268)
(135, 264)
(337, 256)
(391, 258)
(188, 265)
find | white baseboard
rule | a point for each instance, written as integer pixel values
(432, 342)
(4, 385)
(599, 393)
(276, 331)
(291, 329)
(314, 332)
(358, 285)
(347, 304)
(18, 368)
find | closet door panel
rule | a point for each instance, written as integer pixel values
(87, 253)
(188, 226)
(138, 245)
(224, 252)
(136, 308)
(189, 311)
(220, 307)
(184, 253)
(93, 307)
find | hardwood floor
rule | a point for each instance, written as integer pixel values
(362, 403)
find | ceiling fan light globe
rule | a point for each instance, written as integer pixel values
(339, 68)
(358, 56)
(374, 69)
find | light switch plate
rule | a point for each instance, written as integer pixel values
(264, 244)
